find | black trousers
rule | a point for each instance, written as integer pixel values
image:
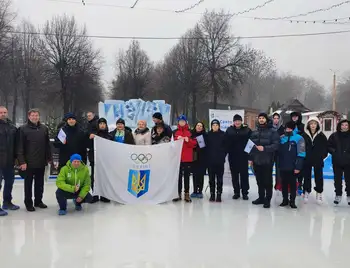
(288, 182)
(62, 197)
(185, 172)
(338, 179)
(35, 175)
(263, 174)
(318, 172)
(92, 175)
(240, 177)
(216, 177)
(198, 170)
(278, 182)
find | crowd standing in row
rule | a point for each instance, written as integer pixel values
(294, 148)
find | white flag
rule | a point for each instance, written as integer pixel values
(131, 174)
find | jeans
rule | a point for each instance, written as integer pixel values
(338, 179)
(263, 174)
(62, 197)
(216, 177)
(289, 179)
(8, 175)
(318, 172)
(35, 175)
(240, 177)
(185, 171)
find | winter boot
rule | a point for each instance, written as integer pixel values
(177, 199)
(284, 203)
(245, 197)
(236, 196)
(267, 203)
(3, 213)
(258, 201)
(218, 198)
(9, 206)
(292, 205)
(212, 198)
(104, 200)
(306, 197)
(95, 199)
(188, 198)
(337, 200)
(319, 198)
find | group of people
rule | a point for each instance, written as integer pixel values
(294, 148)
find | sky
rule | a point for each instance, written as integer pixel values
(311, 56)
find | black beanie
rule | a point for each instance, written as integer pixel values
(290, 125)
(120, 121)
(237, 117)
(264, 115)
(102, 120)
(158, 116)
(215, 121)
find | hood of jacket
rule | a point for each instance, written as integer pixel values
(280, 123)
(307, 127)
(298, 114)
(339, 124)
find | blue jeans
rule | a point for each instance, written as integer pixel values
(8, 175)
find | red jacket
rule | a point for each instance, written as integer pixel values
(187, 148)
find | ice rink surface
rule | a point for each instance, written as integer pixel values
(233, 234)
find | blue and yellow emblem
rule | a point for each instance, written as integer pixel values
(138, 182)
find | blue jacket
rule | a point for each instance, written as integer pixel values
(291, 152)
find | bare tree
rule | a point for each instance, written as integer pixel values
(63, 45)
(134, 69)
(224, 57)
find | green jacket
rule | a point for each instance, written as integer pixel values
(69, 177)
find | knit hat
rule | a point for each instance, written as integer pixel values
(75, 157)
(182, 118)
(70, 116)
(264, 115)
(120, 121)
(237, 117)
(290, 125)
(102, 120)
(275, 115)
(215, 122)
(158, 116)
(160, 125)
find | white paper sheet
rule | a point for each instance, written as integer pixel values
(201, 142)
(249, 146)
(62, 136)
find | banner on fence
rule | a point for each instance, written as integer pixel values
(130, 174)
(224, 116)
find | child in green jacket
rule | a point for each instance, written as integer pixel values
(73, 182)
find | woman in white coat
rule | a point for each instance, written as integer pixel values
(142, 134)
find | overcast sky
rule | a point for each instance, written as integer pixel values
(306, 56)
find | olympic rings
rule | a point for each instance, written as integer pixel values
(141, 158)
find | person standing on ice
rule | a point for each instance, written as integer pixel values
(339, 148)
(266, 143)
(291, 156)
(277, 125)
(316, 152)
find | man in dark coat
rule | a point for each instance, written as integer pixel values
(277, 125)
(339, 148)
(157, 119)
(7, 160)
(33, 153)
(236, 138)
(266, 143)
(76, 141)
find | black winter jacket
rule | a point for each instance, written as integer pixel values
(235, 141)
(216, 151)
(76, 143)
(268, 138)
(316, 148)
(339, 146)
(8, 133)
(167, 130)
(92, 129)
(299, 125)
(33, 147)
(200, 153)
(128, 139)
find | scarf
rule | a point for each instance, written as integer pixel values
(141, 131)
(119, 136)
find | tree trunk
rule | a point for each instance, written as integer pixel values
(215, 90)
(14, 107)
(194, 106)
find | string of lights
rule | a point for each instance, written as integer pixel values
(189, 8)
(306, 13)
(185, 38)
(133, 6)
(160, 10)
(343, 20)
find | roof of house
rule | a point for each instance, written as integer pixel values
(294, 105)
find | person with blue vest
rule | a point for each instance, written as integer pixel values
(291, 157)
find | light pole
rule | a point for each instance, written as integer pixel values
(334, 90)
